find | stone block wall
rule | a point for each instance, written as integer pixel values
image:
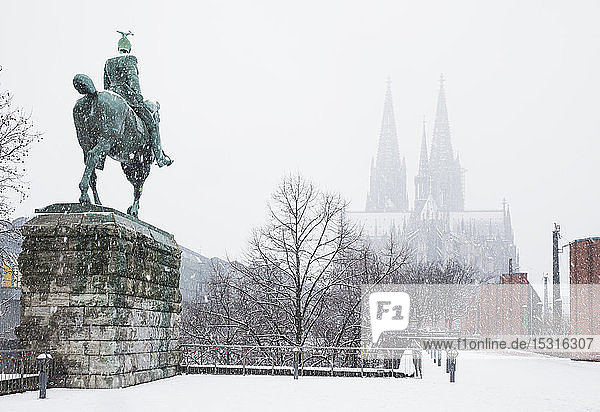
(101, 292)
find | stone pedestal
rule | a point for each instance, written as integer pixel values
(101, 292)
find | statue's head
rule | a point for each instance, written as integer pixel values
(124, 43)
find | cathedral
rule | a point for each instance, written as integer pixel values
(437, 227)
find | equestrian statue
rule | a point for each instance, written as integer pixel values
(119, 123)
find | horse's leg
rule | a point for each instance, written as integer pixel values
(137, 193)
(93, 179)
(136, 174)
(93, 157)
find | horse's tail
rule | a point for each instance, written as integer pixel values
(84, 85)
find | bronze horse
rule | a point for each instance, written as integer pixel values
(107, 126)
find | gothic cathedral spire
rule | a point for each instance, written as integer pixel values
(446, 172)
(387, 191)
(423, 178)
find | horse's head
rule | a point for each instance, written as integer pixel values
(154, 107)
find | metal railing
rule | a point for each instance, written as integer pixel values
(312, 361)
(19, 371)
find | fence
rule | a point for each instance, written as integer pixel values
(19, 371)
(312, 361)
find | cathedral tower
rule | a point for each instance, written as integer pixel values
(446, 172)
(423, 177)
(387, 191)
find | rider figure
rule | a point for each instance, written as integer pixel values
(121, 77)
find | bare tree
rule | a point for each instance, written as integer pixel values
(440, 272)
(449, 290)
(294, 260)
(303, 279)
(218, 315)
(16, 136)
(370, 265)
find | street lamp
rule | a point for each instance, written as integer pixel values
(44, 359)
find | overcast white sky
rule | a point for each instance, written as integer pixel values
(252, 90)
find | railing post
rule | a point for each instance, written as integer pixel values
(215, 359)
(244, 361)
(362, 365)
(273, 356)
(332, 360)
(187, 361)
(22, 380)
(296, 351)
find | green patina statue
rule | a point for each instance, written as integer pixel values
(118, 123)
(121, 77)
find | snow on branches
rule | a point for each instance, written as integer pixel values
(16, 136)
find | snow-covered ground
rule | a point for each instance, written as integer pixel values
(485, 381)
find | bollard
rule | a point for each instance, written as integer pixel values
(440, 358)
(44, 359)
(417, 362)
(453, 355)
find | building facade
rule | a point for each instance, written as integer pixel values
(437, 226)
(584, 279)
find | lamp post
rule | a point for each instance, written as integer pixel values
(44, 359)
(539, 317)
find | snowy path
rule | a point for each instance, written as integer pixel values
(485, 381)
